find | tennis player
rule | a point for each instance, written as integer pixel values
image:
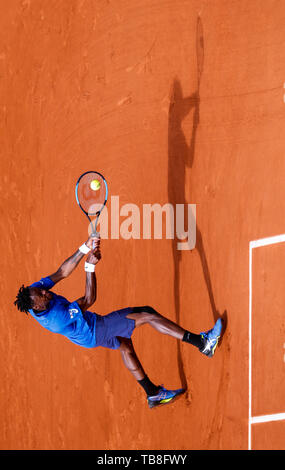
(84, 328)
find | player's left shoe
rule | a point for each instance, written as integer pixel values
(211, 339)
(164, 396)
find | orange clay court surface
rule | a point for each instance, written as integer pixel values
(172, 101)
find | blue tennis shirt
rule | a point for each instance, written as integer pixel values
(66, 318)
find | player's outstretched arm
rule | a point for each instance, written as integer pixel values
(68, 266)
(91, 284)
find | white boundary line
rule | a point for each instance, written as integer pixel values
(267, 418)
(264, 418)
(250, 348)
(267, 241)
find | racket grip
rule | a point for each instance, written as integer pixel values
(95, 234)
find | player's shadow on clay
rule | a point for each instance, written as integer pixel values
(181, 156)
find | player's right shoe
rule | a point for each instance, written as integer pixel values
(163, 397)
(211, 339)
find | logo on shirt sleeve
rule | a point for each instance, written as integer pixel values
(72, 312)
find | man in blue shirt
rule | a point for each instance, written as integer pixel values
(86, 329)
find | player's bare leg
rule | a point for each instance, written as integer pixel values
(205, 342)
(157, 321)
(130, 358)
(156, 394)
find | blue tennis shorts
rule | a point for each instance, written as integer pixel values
(108, 327)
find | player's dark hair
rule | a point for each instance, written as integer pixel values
(23, 299)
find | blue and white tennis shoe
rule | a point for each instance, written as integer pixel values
(164, 396)
(211, 339)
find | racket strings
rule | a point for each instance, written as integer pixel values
(91, 193)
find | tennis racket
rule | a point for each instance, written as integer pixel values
(91, 192)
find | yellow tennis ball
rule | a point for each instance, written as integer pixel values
(95, 185)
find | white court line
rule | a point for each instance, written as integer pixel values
(267, 241)
(250, 348)
(265, 418)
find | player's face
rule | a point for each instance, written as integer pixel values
(41, 298)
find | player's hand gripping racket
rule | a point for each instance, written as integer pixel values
(91, 194)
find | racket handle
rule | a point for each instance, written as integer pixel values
(95, 234)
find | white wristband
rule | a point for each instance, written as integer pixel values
(89, 267)
(84, 249)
